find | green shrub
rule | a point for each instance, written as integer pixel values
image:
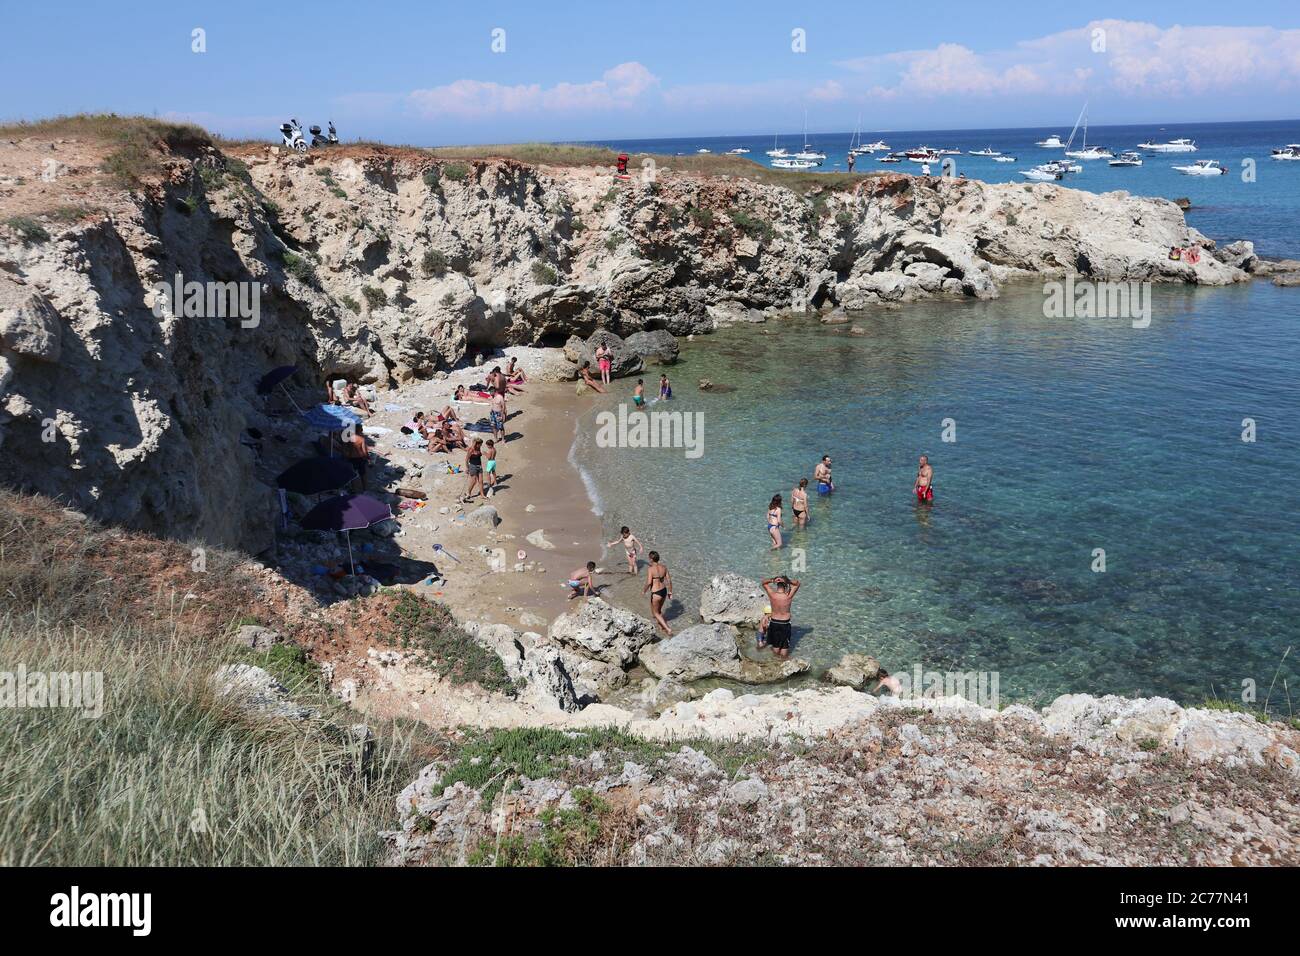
(614, 241)
(751, 225)
(30, 232)
(448, 300)
(433, 263)
(432, 177)
(456, 172)
(428, 629)
(702, 217)
(375, 297)
(543, 274)
(351, 304)
(299, 267)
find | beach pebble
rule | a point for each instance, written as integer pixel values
(538, 540)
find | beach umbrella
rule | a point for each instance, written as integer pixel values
(331, 418)
(311, 476)
(275, 377)
(346, 513)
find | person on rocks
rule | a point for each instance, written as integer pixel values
(630, 545)
(780, 592)
(923, 486)
(473, 468)
(799, 503)
(660, 585)
(581, 583)
(822, 475)
(774, 512)
(591, 383)
(352, 396)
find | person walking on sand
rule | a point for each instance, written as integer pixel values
(630, 545)
(603, 362)
(799, 503)
(780, 592)
(489, 468)
(924, 483)
(580, 581)
(774, 521)
(587, 380)
(660, 585)
(822, 475)
(498, 415)
(473, 468)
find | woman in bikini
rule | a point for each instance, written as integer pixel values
(774, 521)
(590, 382)
(799, 504)
(474, 468)
(660, 585)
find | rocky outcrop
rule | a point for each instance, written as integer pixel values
(537, 670)
(624, 360)
(854, 670)
(384, 265)
(732, 599)
(654, 348)
(600, 643)
(712, 650)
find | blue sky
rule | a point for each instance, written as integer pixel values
(426, 72)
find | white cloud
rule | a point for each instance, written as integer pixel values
(1139, 59)
(619, 87)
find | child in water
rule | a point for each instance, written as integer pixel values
(638, 393)
(630, 545)
(665, 390)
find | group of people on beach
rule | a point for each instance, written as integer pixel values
(480, 454)
(658, 583)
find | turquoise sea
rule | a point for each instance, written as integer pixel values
(1072, 435)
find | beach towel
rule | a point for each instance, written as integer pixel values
(390, 407)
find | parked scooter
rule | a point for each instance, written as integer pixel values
(319, 139)
(292, 135)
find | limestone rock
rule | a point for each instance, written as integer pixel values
(711, 650)
(484, 516)
(732, 599)
(854, 670)
(655, 348)
(603, 632)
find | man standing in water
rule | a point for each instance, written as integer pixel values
(780, 592)
(822, 475)
(924, 484)
(660, 585)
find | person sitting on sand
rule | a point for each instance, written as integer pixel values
(515, 372)
(587, 380)
(352, 396)
(437, 443)
(774, 521)
(630, 545)
(580, 581)
(924, 483)
(780, 593)
(660, 585)
(799, 503)
(453, 434)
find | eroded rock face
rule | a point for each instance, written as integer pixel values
(711, 650)
(386, 265)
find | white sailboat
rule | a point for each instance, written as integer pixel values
(776, 150)
(1088, 152)
(807, 153)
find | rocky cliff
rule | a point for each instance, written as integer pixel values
(385, 264)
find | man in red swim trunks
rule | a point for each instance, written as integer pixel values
(924, 484)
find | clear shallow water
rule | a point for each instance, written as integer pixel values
(1223, 207)
(1071, 435)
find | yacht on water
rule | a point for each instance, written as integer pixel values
(987, 151)
(879, 146)
(738, 151)
(1044, 173)
(1203, 167)
(1052, 142)
(892, 158)
(790, 162)
(1128, 158)
(1173, 146)
(923, 154)
(1004, 159)
(777, 151)
(1290, 151)
(808, 153)
(703, 150)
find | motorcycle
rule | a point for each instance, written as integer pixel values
(319, 139)
(291, 132)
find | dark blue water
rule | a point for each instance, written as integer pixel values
(1223, 207)
(1072, 435)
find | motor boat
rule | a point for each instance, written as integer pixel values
(703, 150)
(1045, 173)
(923, 154)
(879, 146)
(1173, 146)
(790, 162)
(1090, 152)
(808, 153)
(1004, 159)
(948, 152)
(1052, 142)
(988, 151)
(1129, 158)
(892, 158)
(1290, 151)
(738, 151)
(1203, 167)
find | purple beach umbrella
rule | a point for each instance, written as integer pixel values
(311, 476)
(346, 513)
